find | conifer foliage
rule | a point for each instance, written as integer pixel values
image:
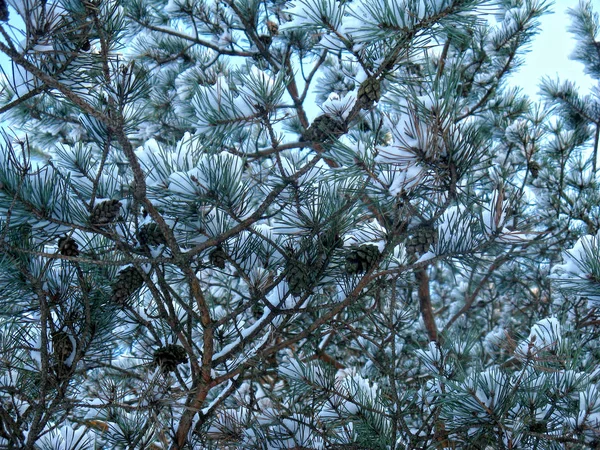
(309, 224)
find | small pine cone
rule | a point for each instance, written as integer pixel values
(218, 257)
(297, 277)
(3, 11)
(423, 237)
(128, 281)
(150, 234)
(68, 246)
(62, 345)
(362, 258)
(169, 357)
(273, 27)
(62, 349)
(369, 92)
(105, 212)
(324, 128)
(534, 168)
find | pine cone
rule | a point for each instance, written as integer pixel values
(324, 128)
(128, 281)
(105, 212)
(3, 11)
(423, 237)
(297, 277)
(68, 246)
(62, 345)
(534, 168)
(169, 357)
(150, 234)
(369, 92)
(218, 257)
(273, 28)
(62, 350)
(362, 258)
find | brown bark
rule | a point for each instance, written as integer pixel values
(422, 278)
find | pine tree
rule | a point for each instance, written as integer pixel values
(309, 224)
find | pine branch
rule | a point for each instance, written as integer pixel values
(195, 40)
(471, 298)
(422, 278)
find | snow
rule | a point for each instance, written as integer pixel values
(244, 334)
(369, 16)
(516, 131)
(545, 335)
(223, 394)
(490, 388)
(432, 358)
(581, 269)
(576, 259)
(426, 257)
(493, 341)
(589, 409)
(209, 177)
(332, 42)
(339, 107)
(69, 360)
(308, 14)
(212, 103)
(370, 232)
(66, 437)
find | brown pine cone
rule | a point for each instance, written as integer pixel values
(128, 281)
(62, 345)
(105, 212)
(324, 129)
(534, 168)
(150, 234)
(68, 246)
(62, 349)
(423, 237)
(369, 92)
(218, 257)
(297, 277)
(273, 27)
(169, 357)
(361, 258)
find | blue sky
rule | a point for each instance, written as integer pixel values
(550, 52)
